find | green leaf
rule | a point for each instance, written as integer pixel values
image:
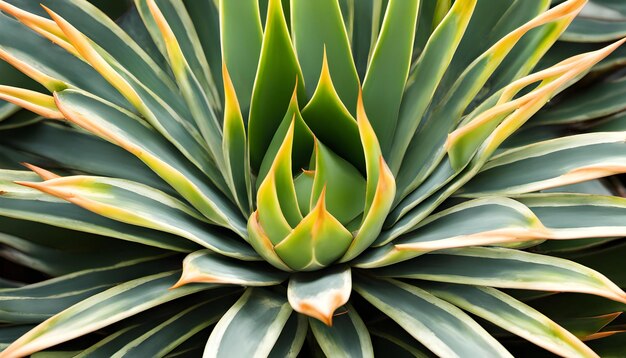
(599, 21)
(512, 315)
(36, 302)
(182, 26)
(380, 189)
(130, 133)
(113, 342)
(484, 221)
(95, 252)
(303, 141)
(615, 123)
(304, 188)
(262, 244)
(580, 157)
(235, 149)
(326, 116)
(102, 310)
(278, 187)
(318, 28)
(579, 215)
(472, 69)
(163, 338)
(388, 69)
(291, 338)
(205, 17)
(107, 35)
(562, 50)
(598, 100)
(194, 90)
(317, 241)
(278, 73)
(171, 119)
(429, 70)
(259, 316)
(70, 216)
(347, 337)
(8, 334)
(56, 143)
(29, 54)
(483, 130)
(319, 294)
(207, 267)
(241, 38)
(132, 23)
(435, 323)
(505, 268)
(365, 27)
(344, 185)
(33, 101)
(140, 205)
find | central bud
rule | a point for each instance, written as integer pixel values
(334, 207)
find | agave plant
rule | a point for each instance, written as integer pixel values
(248, 178)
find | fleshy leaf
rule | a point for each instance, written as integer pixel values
(277, 74)
(317, 241)
(196, 97)
(277, 203)
(235, 148)
(35, 102)
(348, 337)
(37, 302)
(579, 216)
(207, 267)
(292, 338)
(101, 310)
(165, 117)
(241, 36)
(304, 187)
(599, 21)
(494, 125)
(259, 315)
(388, 69)
(163, 338)
(344, 185)
(423, 315)
(582, 157)
(426, 149)
(32, 205)
(262, 243)
(484, 221)
(430, 68)
(320, 294)
(302, 140)
(380, 188)
(129, 132)
(505, 268)
(598, 100)
(319, 28)
(512, 315)
(326, 115)
(140, 205)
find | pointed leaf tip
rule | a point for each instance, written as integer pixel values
(44, 174)
(39, 103)
(320, 294)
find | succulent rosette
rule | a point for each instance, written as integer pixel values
(239, 177)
